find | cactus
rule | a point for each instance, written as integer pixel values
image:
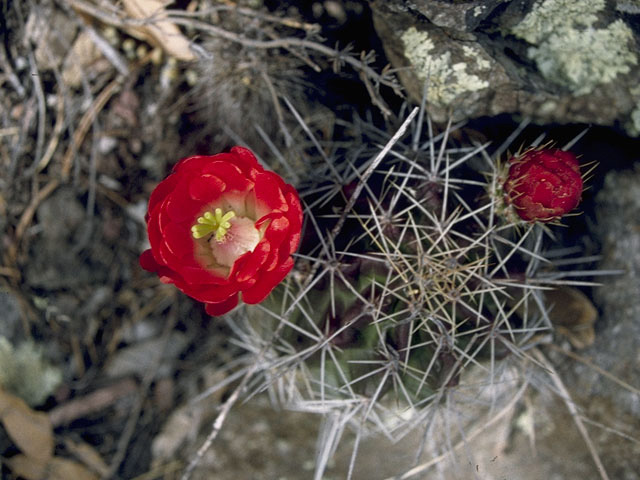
(412, 289)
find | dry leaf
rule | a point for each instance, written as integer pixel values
(158, 31)
(54, 469)
(31, 431)
(83, 57)
(181, 427)
(65, 469)
(28, 468)
(88, 456)
(184, 423)
(573, 315)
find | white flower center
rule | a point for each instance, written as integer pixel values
(241, 237)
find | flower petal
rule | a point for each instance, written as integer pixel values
(275, 234)
(294, 214)
(196, 275)
(230, 174)
(216, 309)
(162, 190)
(294, 242)
(253, 262)
(179, 205)
(178, 239)
(206, 188)
(211, 293)
(266, 283)
(251, 258)
(246, 160)
(194, 163)
(269, 196)
(148, 262)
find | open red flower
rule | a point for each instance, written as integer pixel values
(221, 225)
(544, 184)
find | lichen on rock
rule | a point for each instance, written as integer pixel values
(569, 50)
(447, 80)
(633, 125)
(634, 128)
(26, 373)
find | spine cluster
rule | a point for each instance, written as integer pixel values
(412, 285)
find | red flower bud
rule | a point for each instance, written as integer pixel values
(221, 225)
(544, 184)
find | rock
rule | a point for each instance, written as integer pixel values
(53, 264)
(462, 16)
(60, 215)
(56, 261)
(258, 441)
(554, 60)
(570, 50)
(617, 344)
(139, 358)
(10, 308)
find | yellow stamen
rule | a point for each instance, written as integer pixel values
(213, 223)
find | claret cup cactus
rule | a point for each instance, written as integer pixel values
(543, 184)
(410, 276)
(413, 283)
(220, 226)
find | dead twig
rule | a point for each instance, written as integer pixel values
(290, 42)
(42, 107)
(86, 121)
(249, 12)
(222, 416)
(27, 217)
(117, 19)
(53, 141)
(134, 416)
(10, 74)
(91, 403)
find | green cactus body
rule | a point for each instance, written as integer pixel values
(426, 280)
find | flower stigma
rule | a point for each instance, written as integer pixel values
(213, 223)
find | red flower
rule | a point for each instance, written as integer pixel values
(543, 185)
(221, 225)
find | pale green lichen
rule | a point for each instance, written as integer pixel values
(628, 6)
(634, 127)
(569, 50)
(475, 56)
(447, 81)
(551, 16)
(25, 373)
(477, 11)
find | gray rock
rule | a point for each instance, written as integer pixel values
(10, 317)
(139, 358)
(55, 264)
(617, 345)
(460, 16)
(553, 60)
(616, 349)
